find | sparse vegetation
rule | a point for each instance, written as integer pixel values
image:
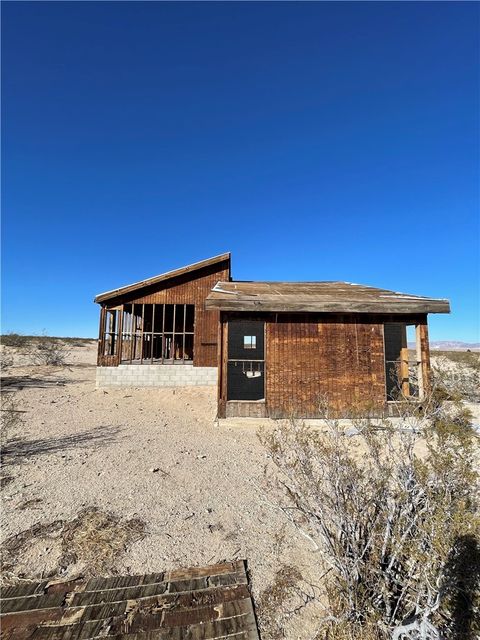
(11, 415)
(49, 351)
(469, 358)
(457, 375)
(90, 544)
(281, 599)
(21, 341)
(392, 512)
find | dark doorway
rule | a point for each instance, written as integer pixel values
(246, 360)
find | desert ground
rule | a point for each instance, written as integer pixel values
(125, 481)
(136, 481)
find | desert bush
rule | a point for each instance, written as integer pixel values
(468, 358)
(457, 379)
(388, 508)
(17, 340)
(11, 416)
(49, 351)
(6, 359)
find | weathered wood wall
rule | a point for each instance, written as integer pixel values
(311, 357)
(339, 359)
(190, 288)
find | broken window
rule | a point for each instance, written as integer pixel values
(403, 361)
(158, 333)
(110, 341)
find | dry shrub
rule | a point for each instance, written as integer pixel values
(6, 359)
(457, 379)
(11, 416)
(281, 600)
(49, 351)
(89, 544)
(387, 509)
(16, 340)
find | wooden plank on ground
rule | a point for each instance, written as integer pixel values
(201, 603)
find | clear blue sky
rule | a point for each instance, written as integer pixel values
(316, 141)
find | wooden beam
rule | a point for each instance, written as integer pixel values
(327, 306)
(101, 336)
(222, 365)
(404, 372)
(423, 348)
(120, 336)
(141, 333)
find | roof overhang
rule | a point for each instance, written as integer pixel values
(321, 297)
(196, 266)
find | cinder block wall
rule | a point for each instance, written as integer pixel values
(151, 375)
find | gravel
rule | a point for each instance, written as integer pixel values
(153, 454)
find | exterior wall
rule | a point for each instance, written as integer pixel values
(151, 375)
(339, 359)
(311, 357)
(190, 288)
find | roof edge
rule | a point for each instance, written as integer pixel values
(305, 306)
(195, 266)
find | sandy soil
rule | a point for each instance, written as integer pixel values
(149, 455)
(81, 447)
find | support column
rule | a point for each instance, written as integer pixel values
(423, 358)
(404, 373)
(222, 365)
(101, 336)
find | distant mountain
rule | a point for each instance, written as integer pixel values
(451, 345)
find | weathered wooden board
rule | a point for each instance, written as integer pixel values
(335, 359)
(331, 297)
(190, 286)
(205, 603)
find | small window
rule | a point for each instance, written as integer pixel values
(249, 342)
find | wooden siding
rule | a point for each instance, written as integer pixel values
(313, 356)
(190, 288)
(339, 358)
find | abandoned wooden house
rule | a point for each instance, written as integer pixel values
(274, 349)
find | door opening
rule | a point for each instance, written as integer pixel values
(246, 360)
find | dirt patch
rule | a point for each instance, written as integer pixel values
(87, 545)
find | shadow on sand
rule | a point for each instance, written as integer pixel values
(461, 588)
(17, 450)
(17, 383)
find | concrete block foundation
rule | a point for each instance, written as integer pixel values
(154, 375)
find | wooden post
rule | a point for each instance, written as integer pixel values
(423, 357)
(153, 331)
(101, 336)
(404, 374)
(184, 321)
(133, 340)
(120, 336)
(141, 334)
(222, 366)
(163, 331)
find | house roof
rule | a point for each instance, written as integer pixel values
(108, 295)
(334, 297)
(204, 602)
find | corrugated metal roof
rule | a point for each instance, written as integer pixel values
(108, 295)
(200, 603)
(332, 297)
